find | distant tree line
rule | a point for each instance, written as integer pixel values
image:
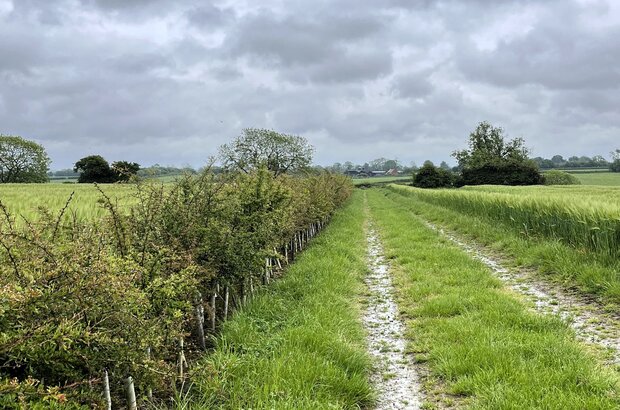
(557, 161)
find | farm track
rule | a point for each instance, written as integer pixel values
(590, 321)
(395, 375)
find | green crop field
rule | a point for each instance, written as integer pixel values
(577, 228)
(599, 178)
(381, 180)
(26, 199)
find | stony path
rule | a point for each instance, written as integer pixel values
(395, 376)
(592, 324)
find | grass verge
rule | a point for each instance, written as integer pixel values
(298, 343)
(592, 273)
(477, 339)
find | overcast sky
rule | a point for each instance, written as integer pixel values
(162, 81)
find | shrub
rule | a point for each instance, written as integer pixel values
(430, 176)
(557, 177)
(510, 173)
(81, 297)
(615, 166)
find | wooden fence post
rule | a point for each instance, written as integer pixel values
(106, 390)
(131, 394)
(226, 303)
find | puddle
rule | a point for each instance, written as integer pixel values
(395, 376)
(592, 324)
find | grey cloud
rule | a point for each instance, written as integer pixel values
(144, 80)
(412, 85)
(209, 15)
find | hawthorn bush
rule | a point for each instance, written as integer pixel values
(120, 293)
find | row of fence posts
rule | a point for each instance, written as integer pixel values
(295, 245)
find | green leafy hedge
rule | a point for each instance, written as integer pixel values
(122, 292)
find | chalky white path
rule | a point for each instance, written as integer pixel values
(395, 377)
(590, 322)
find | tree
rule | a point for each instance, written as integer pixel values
(280, 153)
(94, 168)
(444, 165)
(430, 176)
(491, 159)
(22, 160)
(558, 160)
(487, 146)
(614, 166)
(124, 170)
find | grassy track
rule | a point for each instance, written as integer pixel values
(477, 338)
(299, 344)
(592, 272)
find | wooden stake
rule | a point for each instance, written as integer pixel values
(149, 392)
(200, 320)
(213, 296)
(106, 390)
(182, 364)
(131, 394)
(226, 303)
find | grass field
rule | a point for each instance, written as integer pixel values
(25, 199)
(381, 180)
(599, 178)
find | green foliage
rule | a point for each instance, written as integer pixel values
(492, 160)
(509, 173)
(614, 166)
(279, 153)
(94, 168)
(124, 170)
(431, 177)
(82, 296)
(22, 160)
(299, 343)
(487, 146)
(557, 177)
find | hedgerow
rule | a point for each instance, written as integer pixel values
(135, 293)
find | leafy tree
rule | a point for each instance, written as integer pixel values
(615, 164)
(94, 168)
(124, 170)
(558, 160)
(430, 176)
(280, 153)
(487, 146)
(444, 165)
(391, 164)
(428, 163)
(22, 160)
(490, 159)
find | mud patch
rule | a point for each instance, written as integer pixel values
(591, 323)
(395, 375)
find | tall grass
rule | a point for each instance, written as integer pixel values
(583, 222)
(299, 344)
